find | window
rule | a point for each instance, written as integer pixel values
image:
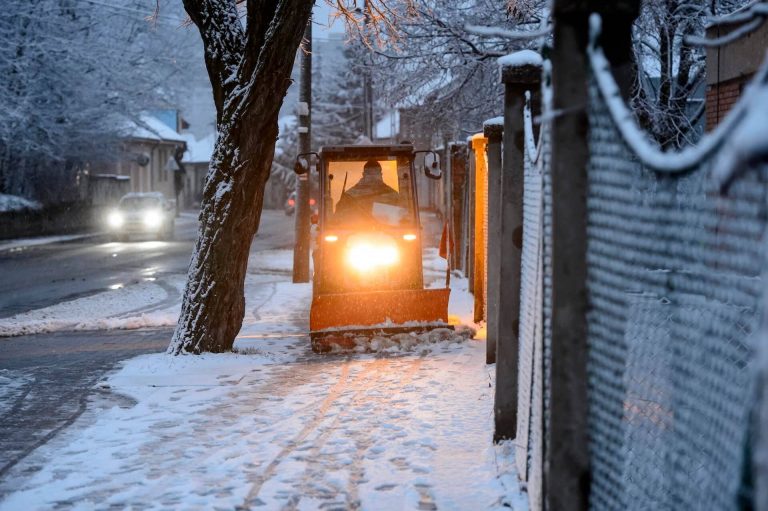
(374, 193)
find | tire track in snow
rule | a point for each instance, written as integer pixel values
(173, 297)
(357, 472)
(19, 400)
(333, 393)
(366, 384)
(361, 385)
(256, 309)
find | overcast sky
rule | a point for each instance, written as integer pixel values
(321, 15)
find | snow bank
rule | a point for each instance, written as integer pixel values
(15, 203)
(125, 307)
(21, 243)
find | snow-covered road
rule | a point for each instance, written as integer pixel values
(99, 286)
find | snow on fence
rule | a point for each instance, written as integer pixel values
(676, 250)
(529, 441)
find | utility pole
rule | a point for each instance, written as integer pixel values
(301, 247)
(368, 82)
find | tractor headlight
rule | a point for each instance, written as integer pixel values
(365, 256)
(115, 219)
(153, 218)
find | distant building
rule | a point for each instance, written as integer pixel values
(731, 66)
(147, 155)
(197, 159)
(406, 124)
(387, 128)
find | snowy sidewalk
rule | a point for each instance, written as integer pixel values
(283, 428)
(21, 243)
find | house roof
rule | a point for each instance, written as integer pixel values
(149, 127)
(198, 151)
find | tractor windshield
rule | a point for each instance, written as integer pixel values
(373, 192)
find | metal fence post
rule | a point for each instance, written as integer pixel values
(517, 77)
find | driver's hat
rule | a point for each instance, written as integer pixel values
(372, 167)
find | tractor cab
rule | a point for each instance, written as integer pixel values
(368, 230)
(368, 273)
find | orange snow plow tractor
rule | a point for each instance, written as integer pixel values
(368, 270)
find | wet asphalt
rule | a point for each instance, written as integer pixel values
(47, 381)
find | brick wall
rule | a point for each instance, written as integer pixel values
(720, 99)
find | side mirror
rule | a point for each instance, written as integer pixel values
(432, 166)
(434, 172)
(301, 166)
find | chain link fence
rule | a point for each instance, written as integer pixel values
(675, 259)
(674, 283)
(529, 440)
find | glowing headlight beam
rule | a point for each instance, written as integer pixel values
(153, 218)
(365, 257)
(115, 219)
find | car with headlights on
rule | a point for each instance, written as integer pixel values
(148, 214)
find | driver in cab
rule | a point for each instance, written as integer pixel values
(357, 203)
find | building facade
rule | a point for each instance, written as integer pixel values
(730, 66)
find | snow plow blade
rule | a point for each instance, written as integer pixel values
(337, 318)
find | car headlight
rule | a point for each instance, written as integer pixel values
(153, 218)
(115, 219)
(366, 256)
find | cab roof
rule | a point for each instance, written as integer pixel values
(143, 195)
(366, 150)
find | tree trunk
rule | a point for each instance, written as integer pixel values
(247, 71)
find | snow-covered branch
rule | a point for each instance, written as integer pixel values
(486, 31)
(442, 62)
(757, 10)
(646, 151)
(728, 38)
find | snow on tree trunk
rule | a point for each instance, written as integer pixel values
(249, 69)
